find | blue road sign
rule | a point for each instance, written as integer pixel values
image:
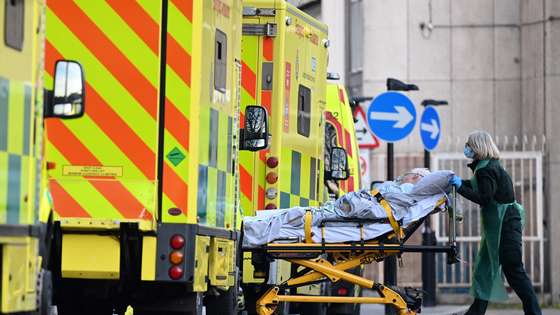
(391, 116)
(430, 128)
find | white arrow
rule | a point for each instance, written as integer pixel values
(401, 118)
(432, 128)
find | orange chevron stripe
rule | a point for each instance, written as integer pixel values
(64, 204)
(177, 124)
(348, 142)
(107, 53)
(114, 127)
(248, 80)
(185, 6)
(246, 181)
(268, 48)
(179, 60)
(139, 21)
(75, 152)
(261, 198)
(175, 188)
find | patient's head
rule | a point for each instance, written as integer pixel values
(414, 175)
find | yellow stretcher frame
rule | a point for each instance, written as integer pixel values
(348, 256)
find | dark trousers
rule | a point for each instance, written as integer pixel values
(512, 265)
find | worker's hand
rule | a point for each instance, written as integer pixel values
(455, 181)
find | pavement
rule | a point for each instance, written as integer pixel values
(454, 310)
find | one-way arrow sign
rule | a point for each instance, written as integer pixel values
(430, 128)
(391, 116)
(401, 118)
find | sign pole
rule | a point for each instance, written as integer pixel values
(390, 263)
(428, 259)
(430, 131)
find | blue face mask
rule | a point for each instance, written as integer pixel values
(469, 153)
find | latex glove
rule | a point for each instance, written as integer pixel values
(455, 181)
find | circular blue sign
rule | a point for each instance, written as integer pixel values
(391, 116)
(430, 128)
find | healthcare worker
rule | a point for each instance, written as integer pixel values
(502, 221)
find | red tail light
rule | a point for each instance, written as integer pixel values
(175, 272)
(177, 241)
(271, 178)
(270, 206)
(272, 162)
(342, 291)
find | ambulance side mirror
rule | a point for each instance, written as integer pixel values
(338, 164)
(254, 136)
(67, 98)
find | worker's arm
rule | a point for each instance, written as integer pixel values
(486, 188)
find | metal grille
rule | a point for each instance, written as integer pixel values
(526, 170)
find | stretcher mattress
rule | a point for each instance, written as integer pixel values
(273, 225)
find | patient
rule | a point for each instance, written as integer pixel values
(404, 183)
(406, 204)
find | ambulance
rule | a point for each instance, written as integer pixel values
(145, 184)
(340, 132)
(25, 210)
(284, 61)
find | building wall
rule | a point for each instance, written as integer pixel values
(497, 62)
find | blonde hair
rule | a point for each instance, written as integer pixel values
(483, 146)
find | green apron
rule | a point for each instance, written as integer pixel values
(487, 283)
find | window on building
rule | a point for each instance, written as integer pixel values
(14, 20)
(220, 61)
(304, 111)
(356, 21)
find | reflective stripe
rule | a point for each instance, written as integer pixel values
(221, 199)
(4, 97)
(213, 148)
(313, 179)
(295, 174)
(14, 189)
(202, 196)
(26, 119)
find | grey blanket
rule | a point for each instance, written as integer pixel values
(270, 225)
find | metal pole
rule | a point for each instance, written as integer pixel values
(428, 259)
(390, 263)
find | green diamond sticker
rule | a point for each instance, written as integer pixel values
(175, 156)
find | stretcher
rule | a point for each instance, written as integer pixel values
(321, 262)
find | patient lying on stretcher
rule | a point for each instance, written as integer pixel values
(410, 198)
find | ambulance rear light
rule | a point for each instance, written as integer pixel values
(272, 162)
(271, 193)
(271, 178)
(270, 206)
(176, 257)
(177, 241)
(175, 272)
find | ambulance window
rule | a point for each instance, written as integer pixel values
(304, 111)
(13, 27)
(220, 61)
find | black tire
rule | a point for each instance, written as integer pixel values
(191, 304)
(313, 308)
(223, 304)
(45, 304)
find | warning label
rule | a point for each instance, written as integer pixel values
(92, 171)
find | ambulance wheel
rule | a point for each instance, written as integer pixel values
(223, 304)
(191, 304)
(313, 308)
(46, 294)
